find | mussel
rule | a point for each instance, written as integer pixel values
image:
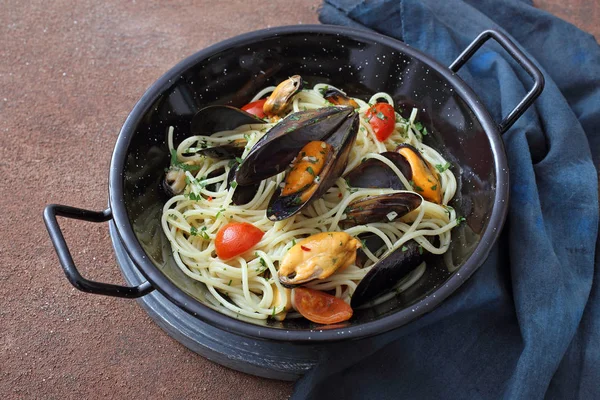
(386, 272)
(328, 132)
(282, 96)
(174, 182)
(385, 207)
(213, 119)
(274, 152)
(317, 257)
(424, 178)
(373, 173)
(314, 170)
(336, 97)
(242, 194)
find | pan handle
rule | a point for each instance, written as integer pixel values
(519, 57)
(66, 261)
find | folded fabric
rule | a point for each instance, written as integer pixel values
(527, 324)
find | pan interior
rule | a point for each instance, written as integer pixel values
(359, 67)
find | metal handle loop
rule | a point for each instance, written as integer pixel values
(520, 58)
(66, 261)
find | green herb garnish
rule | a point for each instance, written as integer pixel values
(444, 167)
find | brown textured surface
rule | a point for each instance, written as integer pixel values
(69, 74)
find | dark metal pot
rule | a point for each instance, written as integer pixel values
(360, 62)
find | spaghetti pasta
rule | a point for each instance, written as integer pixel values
(247, 284)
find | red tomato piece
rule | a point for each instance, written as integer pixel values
(256, 108)
(320, 307)
(382, 118)
(236, 238)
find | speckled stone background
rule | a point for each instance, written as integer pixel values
(70, 72)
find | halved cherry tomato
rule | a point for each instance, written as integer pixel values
(320, 307)
(256, 108)
(236, 238)
(382, 118)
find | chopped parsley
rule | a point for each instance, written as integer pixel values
(460, 220)
(310, 171)
(444, 167)
(404, 248)
(194, 196)
(294, 117)
(175, 163)
(420, 249)
(233, 184)
(324, 90)
(434, 187)
(381, 116)
(194, 231)
(417, 188)
(203, 234)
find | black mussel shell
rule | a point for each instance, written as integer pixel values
(373, 173)
(219, 118)
(242, 194)
(370, 241)
(282, 207)
(338, 98)
(227, 151)
(387, 272)
(282, 96)
(274, 152)
(377, 208)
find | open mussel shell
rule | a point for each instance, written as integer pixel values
(424, 178)
(219, 118)
(336, 97)
(274, 152)
(242, 194)
(227, 151)
(282, 96)
(385, 207)
(373, 173)
(174, 181)
(386, 273)
(282, 207)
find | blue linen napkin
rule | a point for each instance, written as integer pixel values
(527, 324)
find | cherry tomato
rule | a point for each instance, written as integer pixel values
(320, 307)
(256, 108)
(236, 238)
(382, 118)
